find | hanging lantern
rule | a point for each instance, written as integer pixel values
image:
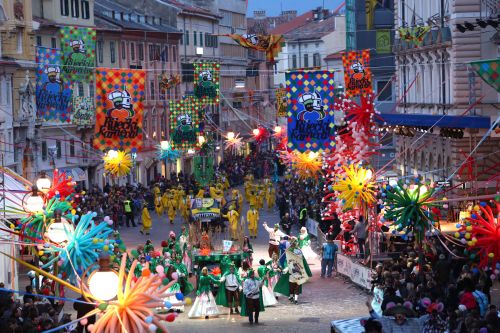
(103, 283)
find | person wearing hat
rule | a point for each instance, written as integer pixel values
(238, 198)
(170, 206)
(229, 292)
(270, 196)
(253, 221)
(184, 204)
(232, 216)
(54, 83)
(275, 235)
(305, 244)
(399, 318)
(147, 222)
(204, 305)
(313, 107)
(253, 304)
(267, 293)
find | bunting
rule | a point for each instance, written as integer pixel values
(53, 94)
(489, 71)
(206, 82)
(281, 102)
(310, 100)
(271, 44)
(357, 73)
(78, 47)
(83, 111)
(119, 107)
(185, 123)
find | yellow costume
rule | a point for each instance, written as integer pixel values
(200, 193)
(158, 205)
(248, 187)
(147, 223)
(184, 208)
(261, 193)
(170, 206)
(270, 197)
(156, 190)
(253, 221)
(232, 217)
(236, 195)
(179, 194)
(252, 196)
(217, 193)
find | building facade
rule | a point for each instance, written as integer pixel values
(436, 80)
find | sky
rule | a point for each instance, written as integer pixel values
(273, 7)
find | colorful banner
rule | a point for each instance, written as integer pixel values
(78, 48)
(271, 44)
(281, 102)
(185, 123)
(311, 99)
(169, 81)
(370, 13)
(203, 169)
(53, 95)
(119, 107)
(414, 35)
(83, 111)
(383, 41)
(206, 82)
(489, 71)
(295, 263)
(357, 73)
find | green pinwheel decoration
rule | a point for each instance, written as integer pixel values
(408, 206)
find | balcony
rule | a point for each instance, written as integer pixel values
(433, 38)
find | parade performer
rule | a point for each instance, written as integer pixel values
(252, 303)
(233, 216)
(179, 195)
(185, 248)
(158, 205)
(305, 244)
(270, 196)
(274, 271)
(267, 293)
(248, 249)
(171, 206)
(260, 195)
(184, 206)
(217, 193)
(147, 223)
(295, 273)
(204, 305)
(238, 198)
(275, 235)
(229, 292)
(253, 221)
(183, 275)
(248, 185)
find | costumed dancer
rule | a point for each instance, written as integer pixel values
(184, 205)
(270, 196)
(305, 244)
(204, 305)
(274, 271)
(252, 303)
(267, 293)
(171, 206)
(232, 216)
(237, 197)
(179, 195)
(158, 205)
(185, 248)
(275, 235)
(247, 248)
(253, 221)
(248, 187)
(261, 194)
(147, 223)
(229, 296)
(290, 282)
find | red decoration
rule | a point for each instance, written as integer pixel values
(62, 185)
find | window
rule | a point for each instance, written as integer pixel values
(187, 71)
(164, 54)
(53, 43)
(20, 41)
(210, 41)
(140, 50)
(181, 40)
(201, 38)
(80, 89)
(124, 56)
(75, 8)
(294, 61)
(85, 10)
(112, 52)
(186, 37)
(194, 37)
(227, 18)
(132, 51)
(316, 60)
(161, 92)
(154, 52)
(44, 150)
(64, 7)
(38, 40)
(237, 104)
(386, 94)
(306, 60)
(72, 148)
(174, 53)
(58, 149)
(152, 89)
(100, 51)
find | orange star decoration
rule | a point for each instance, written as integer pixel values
(305, 165)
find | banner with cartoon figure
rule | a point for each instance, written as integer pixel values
(206, 82)
(281, 102)
(184, 123)
(119, 106)
(53, 95)
(296, 268)
(83, 111)
(78, 48)
(310, 99)
(357, 73)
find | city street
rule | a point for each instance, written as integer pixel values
(323, 300)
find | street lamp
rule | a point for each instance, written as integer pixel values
(103, 283)
(256, 131)
(165, 145)
(34, 203)
(230, 135)
(277, 129)
(58, 230)
(43, 182)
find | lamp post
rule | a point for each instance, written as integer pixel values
(103, 283)
(34, 203)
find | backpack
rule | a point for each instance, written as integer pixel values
(482, 302)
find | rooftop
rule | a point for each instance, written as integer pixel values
(312, 29)
(293, 24)
(335, 56)
(191, 9)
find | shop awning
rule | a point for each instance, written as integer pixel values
(13, 191)
(78, 174)
(424, 120)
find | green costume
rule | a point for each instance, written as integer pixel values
(204, 283)
(262, 272)
(221, 298)
(283, 285)
(304, 242)
(183, 281)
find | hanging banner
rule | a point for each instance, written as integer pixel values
(357, 73)
(206, 82)
(281, 102)
(297, 270)
(53, 95)
(83, 111)
(78, 48)
(119, 107)
(415, 35)
(489, 71)
(184, 123)
(271, 44)
(203, 170)
(383, 41)
(370, 13)
(310, 99)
